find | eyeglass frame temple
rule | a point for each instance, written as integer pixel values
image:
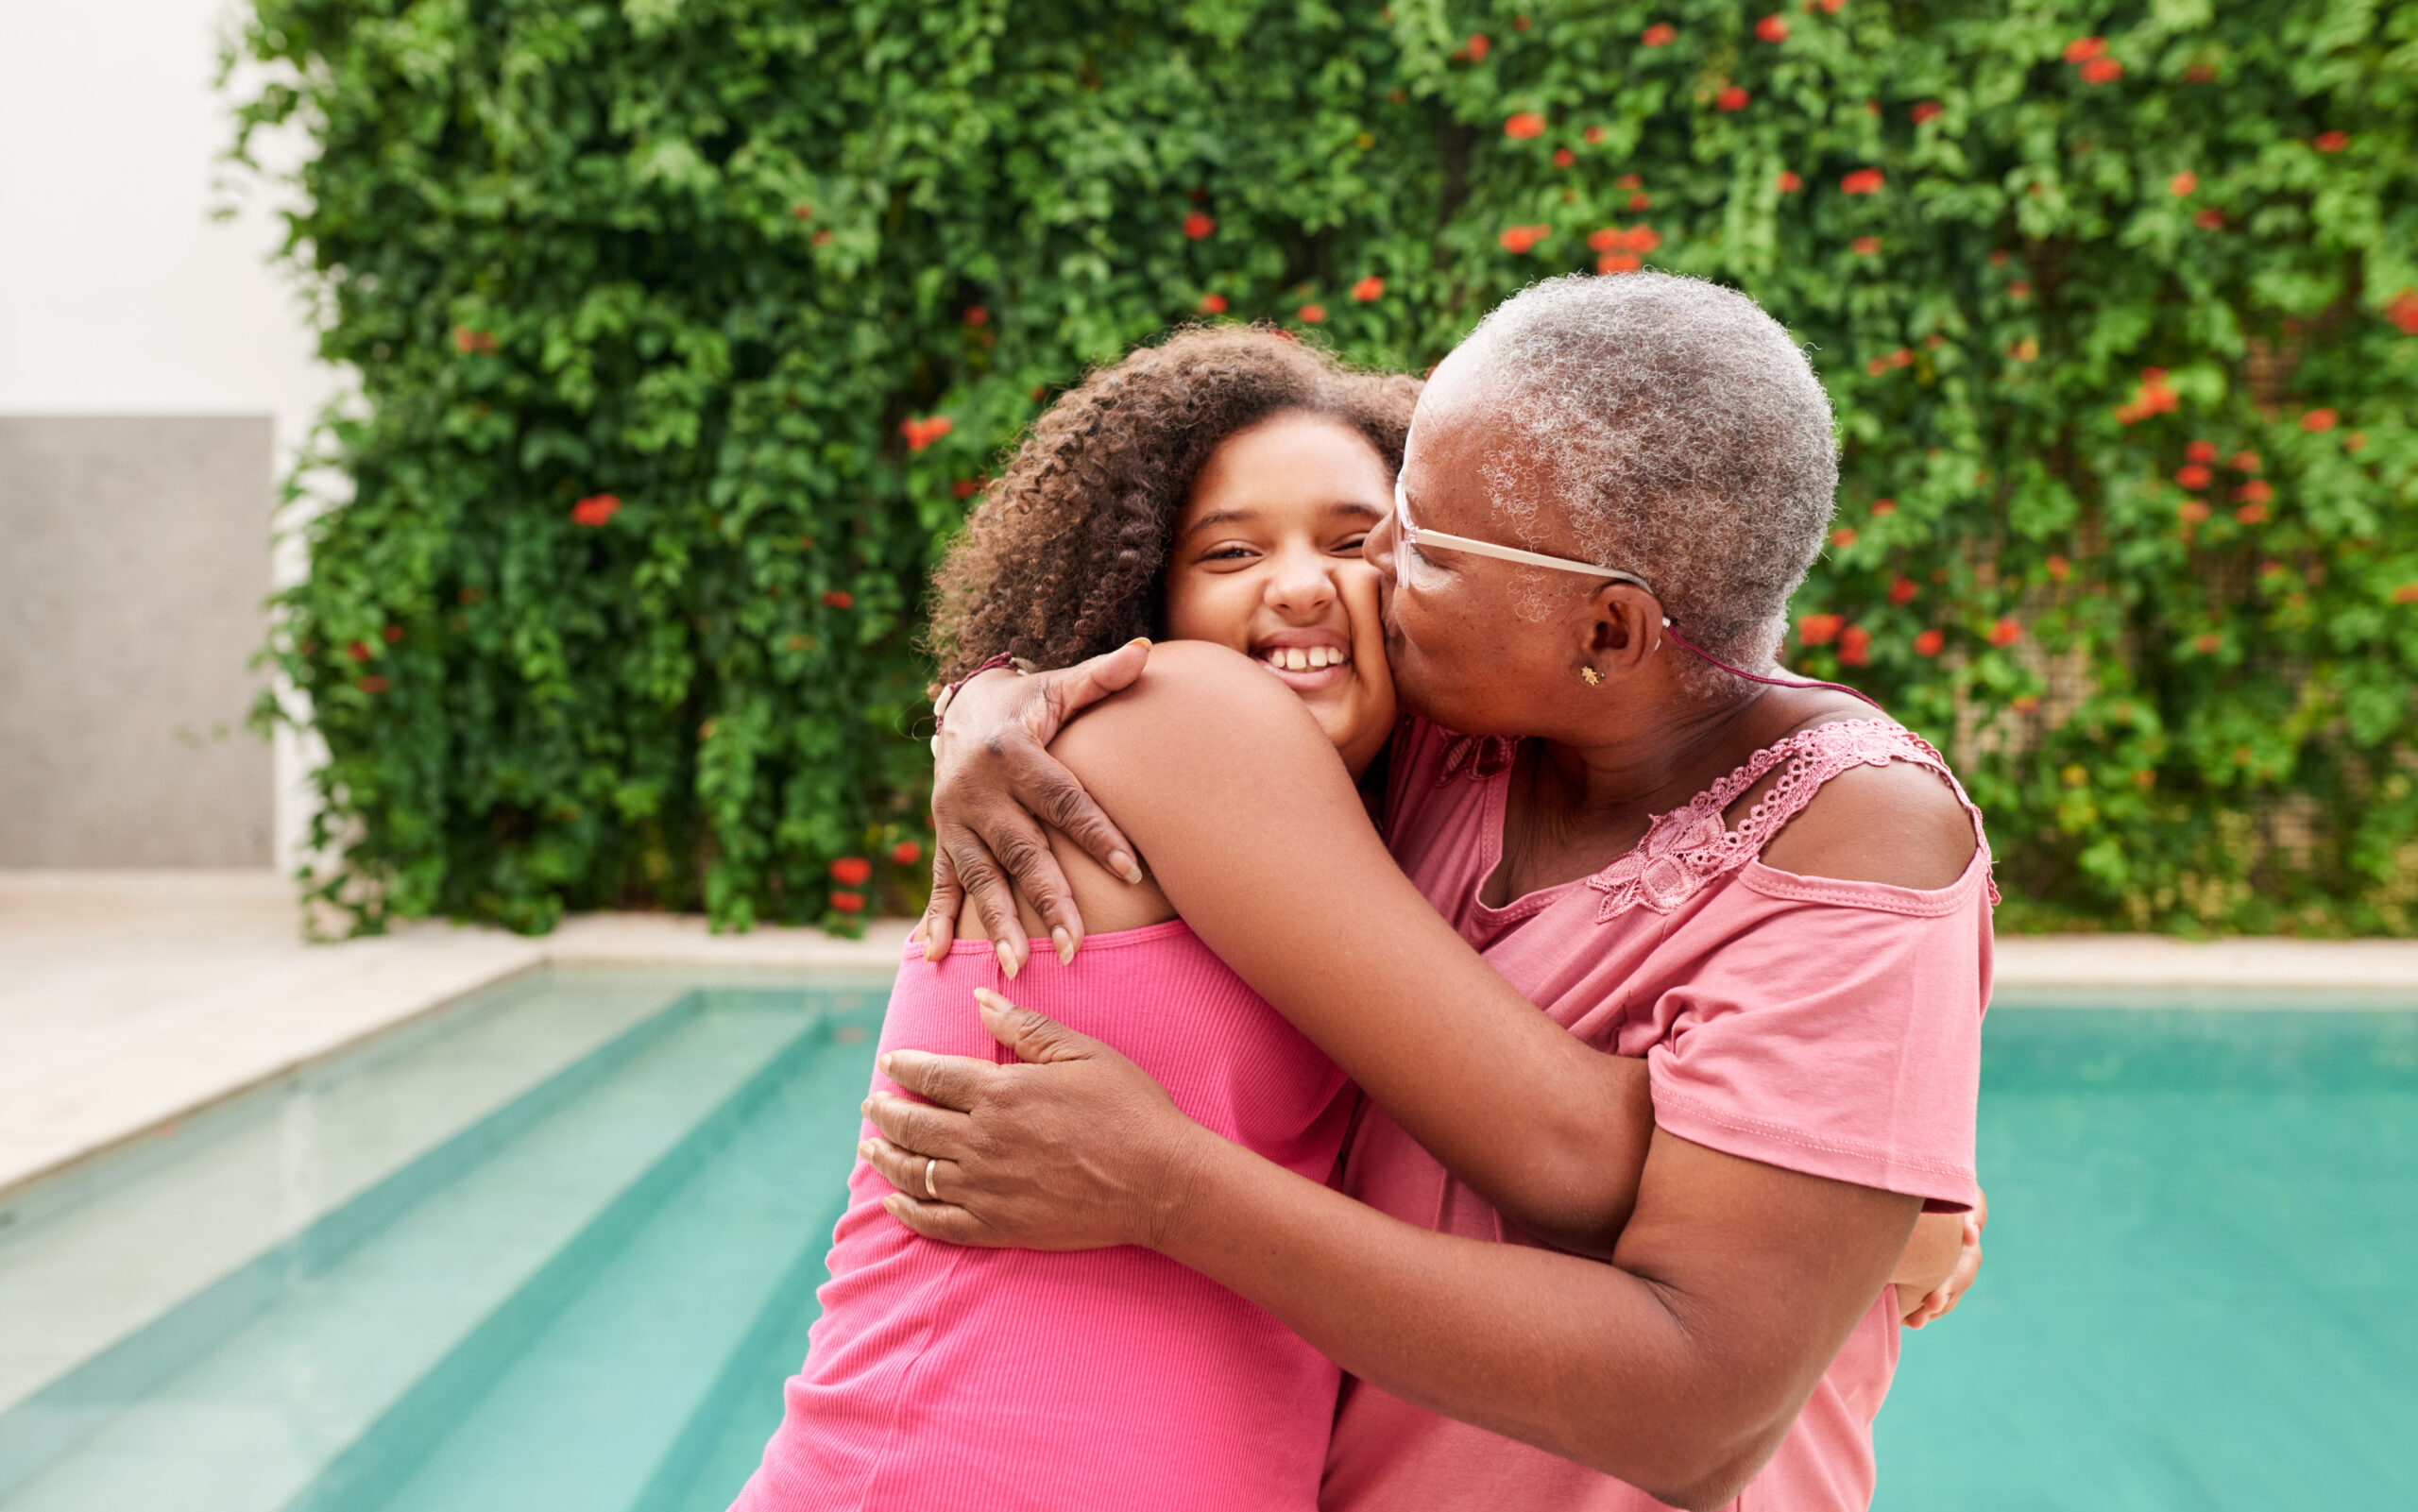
(1411, 533)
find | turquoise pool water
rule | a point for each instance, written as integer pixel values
(557, 1248)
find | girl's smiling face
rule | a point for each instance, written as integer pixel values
(1267, 560)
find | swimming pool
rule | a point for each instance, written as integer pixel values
(556, 1247)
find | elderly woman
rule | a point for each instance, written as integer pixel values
(1777, 901)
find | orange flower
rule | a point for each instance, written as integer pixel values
(1618, 263)
(1928, 111)
(1477, 47)
(1592, 135)
(2083, 50)
(1772, 28)
(393, 634)
(2200, 74)
(2251, 514)
(2207, 645)
(2356, 441)
(965, 488)
(2019, 289)
(375, 683)
(2191, 511)
(2403, 312)
(1197, 225)
(2059, 569)
(2209, 220)
(1213, 303)
(1883, 507)
(2318, 420)
(1732, 99)
(1929, 643)
(1638, 200)
(1831, 8)
(1563, 157)
(1524, 125)
(1819, 629)
(2331, 140)
(2256, 491)
(2183, 183)
(2243, 461)
(1312, 313)
(1855, 646)
(2193, 475)
(2005, 633)
(1842, 537)
(2405, 593)
(466, 340)
(1368, 290)
(1628, 180)
(1643, 238)
(1862, 182)
(839, 599)
(906, 852)
(1865, 246)
(2201, 452)
(920, 434)
(594, 510)
(2102, 70)
(1902, 590)
(802, 212)
(1521, 238)
(851, 871)
(1997, 257)
(1660, 35)
(1789, 183)
(1877, 367)
(848, 902)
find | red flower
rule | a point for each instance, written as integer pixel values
(1929, 643)
(2083, 50)
(851, 871)
(2184, 182)
(466, 340)
(1862, 182)
(1213, 303)
(839, 599)
(2019, 289)
(2251, 514)
(906, 852)
(1819, 629)
(2201, 452)
(1368, 290)
(2209, 220)
(976, 316)
(802, 212)
(1618, 263)
(2405, 593)
(820, 238)
(1842, 537)
(375, 683)
(358, 651)
(1478, 47)
(1592, 135)
(1643, 238)
(1772, 28)
(2005, 633)
(1518, 23)
(1999, 257)
(1638, 200)
(1563, 157)
(1831, 8)
(1312, 313)
(1877, 367)
(1902, 590)
(393, 634)
(2102, 70)
(1732, 99)
(2331, 140)
(2256, 491)
(595, 509)
(1198, 225)
(1628, 180)
(1865, 246)
(2243, 461)
(1882, 508)
(2318, 420)
(2403, 312)
(2207, 645)
(2193, 475)
(1855, 646)
(965, 487)
(2191, 511)
(1660, 35)
(1903, 357)
(920, 434)
(2356, 441)
(848, 902)
(1928, 111)
(1521, 238)
(2200, 74)
(1524, 125)
(1789, 183)
(2059, 569)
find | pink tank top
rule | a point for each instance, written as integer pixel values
(941, 1378)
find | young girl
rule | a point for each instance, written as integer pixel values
(1215, 488)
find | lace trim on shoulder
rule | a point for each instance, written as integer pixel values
(1687, 848)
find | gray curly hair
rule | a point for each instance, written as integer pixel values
(1679, 428)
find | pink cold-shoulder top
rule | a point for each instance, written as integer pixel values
(1825, 1027)
(953, 1380)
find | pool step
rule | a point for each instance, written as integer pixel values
(450, 1265)
(607, 1405)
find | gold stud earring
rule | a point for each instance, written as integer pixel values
(1588, 675)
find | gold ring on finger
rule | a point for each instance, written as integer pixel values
(930, 1164)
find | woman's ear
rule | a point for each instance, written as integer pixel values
(1624, 625)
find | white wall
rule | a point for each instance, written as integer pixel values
(119, 295)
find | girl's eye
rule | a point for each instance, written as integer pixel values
(1228, 554)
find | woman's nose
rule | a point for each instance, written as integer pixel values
(1379, 546)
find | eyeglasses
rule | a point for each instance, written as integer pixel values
(1413, 535)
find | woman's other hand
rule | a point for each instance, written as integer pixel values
(1075, 1149)
(992, 772)
(1941, 1300)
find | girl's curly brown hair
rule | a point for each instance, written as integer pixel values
(1062, 559)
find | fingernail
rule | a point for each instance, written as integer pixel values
(989, 999)
(1143, 642)
(1123, 866)
(1066, 941)
(884, 1064)
(865, 1107)
(865, 1149)
(1008, 964)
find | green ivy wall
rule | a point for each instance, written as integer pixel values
(687, 330)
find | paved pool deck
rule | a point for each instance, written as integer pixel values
(128, 999)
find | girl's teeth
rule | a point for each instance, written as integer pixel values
(1296, 659)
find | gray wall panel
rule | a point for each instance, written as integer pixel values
(135, 560)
